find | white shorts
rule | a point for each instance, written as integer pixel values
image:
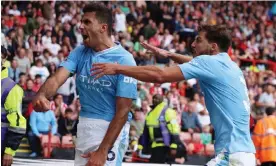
(89, 137)
(234, 159)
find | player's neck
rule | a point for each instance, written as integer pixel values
(104, 44)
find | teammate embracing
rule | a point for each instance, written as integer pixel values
(223, 86)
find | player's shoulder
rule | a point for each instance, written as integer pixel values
(124, 57)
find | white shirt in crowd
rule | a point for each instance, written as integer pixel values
(43, 71)
(14, 12)
(23, 63)
(46, 40)
(66, 88)
(120, 20)
(53, 48)
(267, 99)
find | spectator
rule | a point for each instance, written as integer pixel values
(53, 47)
(58, 106)
(39, 69)
(76, 107)
(14, 71)
(190, 121)
(37, 82)
(266, 99)
(265, 140)
(67, 125)
(29, 94)
(46, 39)
(22, 80)
(65, 89)
(138, 122)
(120, 21)
(41, 123)
(52, 68)
(23, 61)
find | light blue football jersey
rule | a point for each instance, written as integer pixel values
(98, 97)
(226, 97)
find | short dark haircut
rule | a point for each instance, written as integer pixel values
(37, 76)
(219, 34)
(68, 110)
(270, 110)
(103, 14)
(56, 95)
(22, 74)
(4, 52)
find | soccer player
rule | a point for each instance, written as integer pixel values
(102, 132)
(223, 86)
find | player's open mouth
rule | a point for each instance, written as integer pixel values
(85, 37)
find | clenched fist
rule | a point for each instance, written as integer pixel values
(41, 103)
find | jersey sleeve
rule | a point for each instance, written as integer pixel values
(197, 68)
(127, 86)
(72, 60)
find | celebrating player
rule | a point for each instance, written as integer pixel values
(102, 136)
(223, 86)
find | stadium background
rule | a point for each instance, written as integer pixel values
(39, 35)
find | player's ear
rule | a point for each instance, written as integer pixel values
(104, 28)
(214, 46)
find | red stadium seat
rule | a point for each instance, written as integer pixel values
(185, 137)
(196, 138)
(67, 142)
(210, 150)
(48, 146)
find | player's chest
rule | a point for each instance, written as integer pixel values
(88, 83)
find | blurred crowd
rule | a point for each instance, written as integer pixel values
(41, 34)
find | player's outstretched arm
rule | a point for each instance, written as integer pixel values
(144, 73)
(49, 89)
(178, 58)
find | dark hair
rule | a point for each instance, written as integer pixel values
(218, 34)
(37, 76)
(270, 110)
(56, 96)
(4, 51)
(68, 110)
(103, 14)
(22, 74)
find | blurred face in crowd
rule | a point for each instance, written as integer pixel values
(30, 84)
(157, 99)
(270, 89)
(39, 63)
(201, 46)
(59, 99)
(91, 29)
(69, 115)
(196, 97)
(22, 78)
(14, 64)
(38, 80)
(191, 107)
(21, 53)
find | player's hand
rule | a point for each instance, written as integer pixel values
(96, 158)
(7, 160)
(41, 103)
(155, 50)
(101, 69)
